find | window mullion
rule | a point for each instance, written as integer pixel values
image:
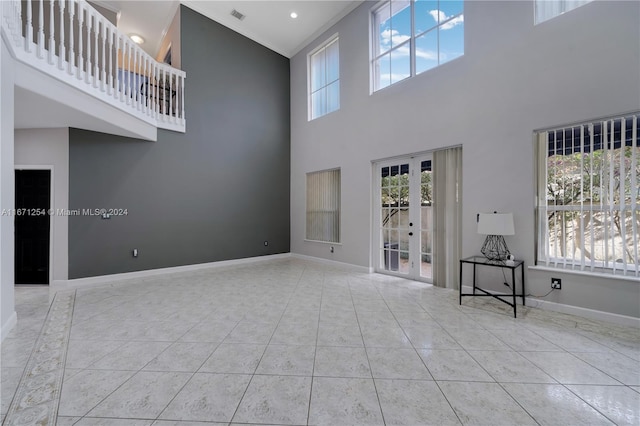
(412, 45)
(437, 29)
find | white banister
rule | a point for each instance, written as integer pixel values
(72, 13)
(135, 87)
(28, 28)
(103, 75)
(62, 51)
(113, 47)
(80, 38)
(96, 33)
(129, 85)
(76, 44)
(182, 102)
(52, 45)
(40, 43)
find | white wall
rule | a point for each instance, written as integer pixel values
(172, 40)
(514, 78)
(7, 307)
(49, 149)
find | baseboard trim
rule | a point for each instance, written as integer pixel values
(584, 312)
(104, 279)
(8, 326)
(335, 263)
(546, 305)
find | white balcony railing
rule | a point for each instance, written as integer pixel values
(71, 41)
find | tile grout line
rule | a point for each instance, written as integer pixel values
(315, 349)
(418, 354)
(235, 412)
(38, 393)
(366, 354)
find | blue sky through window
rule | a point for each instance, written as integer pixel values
(438, 32)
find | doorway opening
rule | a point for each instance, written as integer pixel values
(32, 226)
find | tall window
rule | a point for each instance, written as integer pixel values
(589, 196)
(323, 206)
(324, 79)
(413, 36)
(547, 9)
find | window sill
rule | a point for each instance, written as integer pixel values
(322, 242)
(602, 275)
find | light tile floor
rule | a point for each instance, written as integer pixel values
(295, 342)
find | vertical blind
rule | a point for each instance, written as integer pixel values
(447, 216)
(588, 196)
(323, 206)
(547, 9)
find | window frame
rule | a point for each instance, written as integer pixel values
(335, 38)
(546, 255)
(374, 46)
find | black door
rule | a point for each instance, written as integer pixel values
(33, 200)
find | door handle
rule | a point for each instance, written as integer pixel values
(410, 233)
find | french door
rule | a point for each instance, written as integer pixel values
(403, 219)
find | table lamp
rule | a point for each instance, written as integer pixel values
(495, 226)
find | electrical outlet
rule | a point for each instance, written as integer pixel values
(331, 249)
(556, 283)
(266, 243)
(135, 253)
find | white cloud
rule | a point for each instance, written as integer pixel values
(440, 16)
(392, 37)
(426, 54)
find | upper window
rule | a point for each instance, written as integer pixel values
(547, 9)
(413, 36)
(589, 196)
(324, 79)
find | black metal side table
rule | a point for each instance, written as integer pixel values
(483, 261)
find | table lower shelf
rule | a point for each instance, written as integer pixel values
(500, 297)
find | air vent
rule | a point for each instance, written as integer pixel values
(237, 15)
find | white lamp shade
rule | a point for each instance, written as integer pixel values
(496, 224)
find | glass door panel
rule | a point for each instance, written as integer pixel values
(394, 218)
(403, 218)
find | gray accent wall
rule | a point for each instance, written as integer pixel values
(216, 192)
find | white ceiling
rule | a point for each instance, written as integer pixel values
(267, 21)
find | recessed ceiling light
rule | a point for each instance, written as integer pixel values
(136, 38)
(293, 15)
